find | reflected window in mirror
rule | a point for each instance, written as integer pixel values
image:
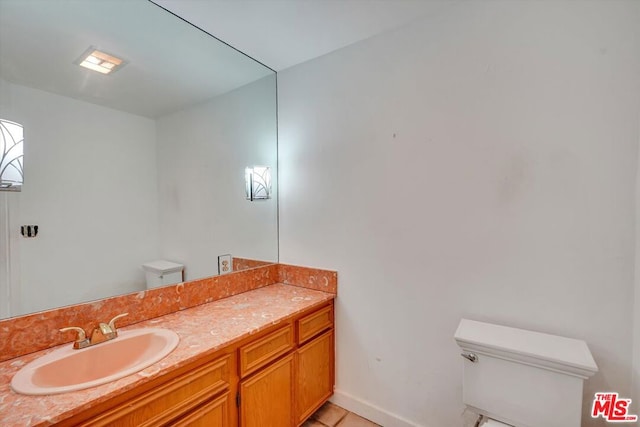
(12, 152)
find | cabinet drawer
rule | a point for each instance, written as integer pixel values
(162, 404)
(309, 326)
(211, 414)
(264, 350)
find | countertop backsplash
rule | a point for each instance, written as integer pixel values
(38, 331)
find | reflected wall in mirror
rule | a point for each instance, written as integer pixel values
(143, 164)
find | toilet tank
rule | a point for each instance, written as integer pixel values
(523, 378)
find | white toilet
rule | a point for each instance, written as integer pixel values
(162, 273)
(515, 377)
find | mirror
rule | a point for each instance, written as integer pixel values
(144, 163)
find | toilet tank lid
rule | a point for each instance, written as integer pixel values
(162, 266)
(567, 355)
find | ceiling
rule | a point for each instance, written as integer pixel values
(283, 33)
(170, 64)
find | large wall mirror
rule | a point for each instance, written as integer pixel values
(144, 163)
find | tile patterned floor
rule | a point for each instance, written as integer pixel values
(330, 415)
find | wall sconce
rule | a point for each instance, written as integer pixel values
(11, 153)
(258, 182)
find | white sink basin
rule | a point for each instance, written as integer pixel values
(67, 369)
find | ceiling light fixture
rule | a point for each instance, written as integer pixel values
(99, 61)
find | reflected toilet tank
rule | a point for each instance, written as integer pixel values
(162, 273)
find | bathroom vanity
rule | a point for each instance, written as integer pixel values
(260, 358)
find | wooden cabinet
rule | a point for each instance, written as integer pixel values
(266, 399)
(314, 375)
(212, 414)
(288, 392)
(264, 350)
(170, 400)
(314, 323)
(277, 378)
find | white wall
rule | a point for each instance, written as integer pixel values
(90, 186)
(202, 214)
(479, 164)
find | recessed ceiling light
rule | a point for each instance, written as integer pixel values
(99, 61)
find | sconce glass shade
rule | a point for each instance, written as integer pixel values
(11, 154)
(258, 182)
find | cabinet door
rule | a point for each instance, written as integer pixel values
(266, 399)
(314, 375)
(211, 414)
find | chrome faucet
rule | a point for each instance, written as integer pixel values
(103, 332)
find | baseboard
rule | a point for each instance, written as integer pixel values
(370, 411)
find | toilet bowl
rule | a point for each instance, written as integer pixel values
(162, 273)
(519, 378)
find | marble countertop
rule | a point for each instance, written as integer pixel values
(203, 330)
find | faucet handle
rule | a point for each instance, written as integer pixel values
(112, 322)
(82, 335)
